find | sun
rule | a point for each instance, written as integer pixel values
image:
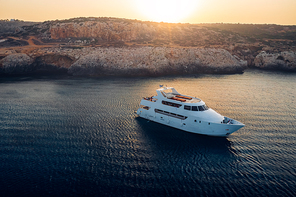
(166, 10)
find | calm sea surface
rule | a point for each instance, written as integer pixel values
(80, 137)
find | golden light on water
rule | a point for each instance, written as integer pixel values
(166, 10)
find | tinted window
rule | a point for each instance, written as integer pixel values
(194, 108)
(187, 107)
(206, 107)
(171, 104)
(200, 108)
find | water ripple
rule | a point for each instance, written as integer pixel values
(80, 137)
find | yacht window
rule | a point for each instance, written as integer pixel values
(171, 104)
(145, 107)
(194, 108)
(203, 108)
(170, 114)
(200, 108)
(187, 107)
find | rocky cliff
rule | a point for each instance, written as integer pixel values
(112, 46)
(274, 61)
(132, 61)
(16, 64)
(103, 31)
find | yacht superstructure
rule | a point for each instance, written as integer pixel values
(186, 113)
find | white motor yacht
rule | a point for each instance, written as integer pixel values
(186, 113)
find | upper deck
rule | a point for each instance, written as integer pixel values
(171, 93)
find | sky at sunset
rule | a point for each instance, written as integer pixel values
(184, 11)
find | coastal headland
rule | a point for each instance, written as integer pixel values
(123, 47)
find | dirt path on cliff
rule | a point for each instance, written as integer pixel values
(31, 42)
(27, 48)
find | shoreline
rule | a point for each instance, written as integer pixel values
(129, 62)
(22, 77)
(122, 61)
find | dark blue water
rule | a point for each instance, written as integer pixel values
(80, 137)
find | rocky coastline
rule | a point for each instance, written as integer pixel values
(121, 47)
(126, 61)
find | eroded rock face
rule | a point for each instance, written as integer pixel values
(52, 63)
(18, 63)
(155, 61)
(108, 31)
(126, 61)
(276, 61)
(22, 64)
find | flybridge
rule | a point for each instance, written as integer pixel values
(171, 93)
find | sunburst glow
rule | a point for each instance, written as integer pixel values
(166, 10)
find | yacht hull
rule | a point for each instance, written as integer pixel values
(193, 125)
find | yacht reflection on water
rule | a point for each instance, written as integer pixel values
(163, 138)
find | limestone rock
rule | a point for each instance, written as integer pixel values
(52, 63)
(155, 61)
(22, 64)
(107, 31)
(123, 61)
(276, 61)
(18, 63)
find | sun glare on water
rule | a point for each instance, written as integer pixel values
(166, 10)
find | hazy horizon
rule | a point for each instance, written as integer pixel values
(201, 23)
(173, 11)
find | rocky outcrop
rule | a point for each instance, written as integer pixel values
(156, 61)
(23, 64)
(13, 26)
(52, 63)
(243, 41)
(127, 61)
(18, 63)
(87, 31)
(276, 61)
(234, 38)
(107, 31)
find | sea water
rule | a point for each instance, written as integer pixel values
(66, 136)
